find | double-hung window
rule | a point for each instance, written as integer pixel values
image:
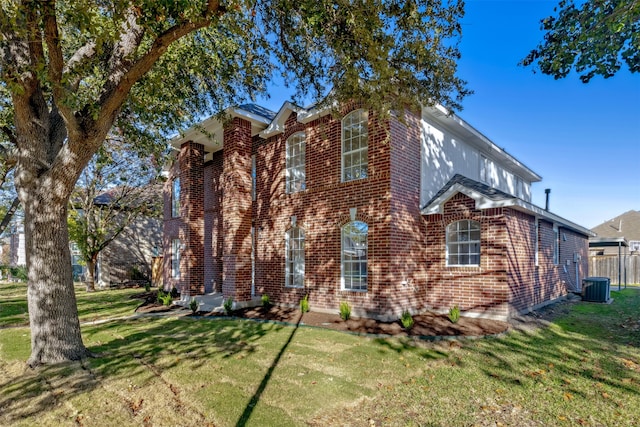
(295, 168)
(463, 243)
(294, 257)
(354, 256)
(355, 145)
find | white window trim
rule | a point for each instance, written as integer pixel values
(365, 120)
(288, 274)
(289, 168)
(479, 242)
(342, 260)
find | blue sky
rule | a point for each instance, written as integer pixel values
(584, 140)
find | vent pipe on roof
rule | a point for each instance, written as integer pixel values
(546, 203)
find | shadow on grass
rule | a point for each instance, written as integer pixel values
(132, 346)
(595, 343)
(248, 410)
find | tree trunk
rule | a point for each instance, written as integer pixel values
(53, 314)
(91, 274)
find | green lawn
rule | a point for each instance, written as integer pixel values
(583, 370)
(101, 304)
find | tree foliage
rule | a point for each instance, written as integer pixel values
(71, 70)
(595, 38)
(114, 190)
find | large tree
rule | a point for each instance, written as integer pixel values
(594, 38)
(70, 70)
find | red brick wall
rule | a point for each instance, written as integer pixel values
(476, 290)
(321, 210)
(531, 285)
(236, 207)
(191, 161)
(406, 273)
(213, 224)
(574, 244)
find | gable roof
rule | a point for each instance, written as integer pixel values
(487, 197)
(626, 225)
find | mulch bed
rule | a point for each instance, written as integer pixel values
(425, 325)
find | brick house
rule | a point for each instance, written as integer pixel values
(389, 215)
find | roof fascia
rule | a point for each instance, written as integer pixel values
(211, 124)
(277, 124)
(484, 202)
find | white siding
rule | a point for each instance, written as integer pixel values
(444, 155)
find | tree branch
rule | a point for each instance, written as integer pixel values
(114, 95)
(9, 134)
(56, 63)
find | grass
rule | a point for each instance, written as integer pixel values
(582, 370)
(101, 304)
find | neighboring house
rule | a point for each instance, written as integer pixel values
(388, 216)
(129, 257)
(625, 226)
(17, 249)
(615, 250)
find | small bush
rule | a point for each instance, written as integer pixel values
(345, 310)
(454, 314)
(164, 298)
(304, 304)
(19, 273)
(266, 302)
(174, 292)
(406, 320)
(147, 286)
(228, 305)
(193, 305)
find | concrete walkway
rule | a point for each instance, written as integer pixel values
(208, 302)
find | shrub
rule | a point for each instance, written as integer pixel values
(193, 305)
(266, 302)
(304, 304)
(147, 286)
(164, 298)
(345, 310)
(19, 272)
(406, 320)
(454, 314)
(174, 292)
(228, 305)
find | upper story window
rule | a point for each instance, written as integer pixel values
(355, 145)
(294, 257)
(175, 198)
(295, 171)
(354, 256)
(463, 243)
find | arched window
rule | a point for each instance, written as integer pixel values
(295, 168)
(354, 256)
(294, 257)
(463, 243)
(355, 145)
